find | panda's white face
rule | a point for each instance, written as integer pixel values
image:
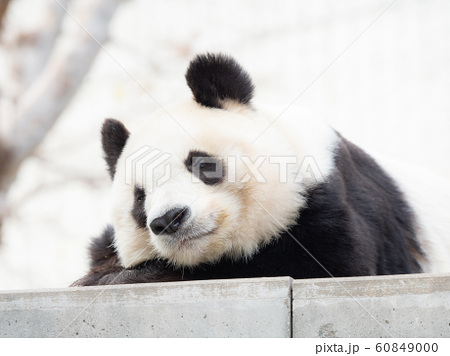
(211, 177)
(217, 186)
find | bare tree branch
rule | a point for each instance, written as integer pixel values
(51, 92)
(40, 106)
(31, 45)
(3, 7)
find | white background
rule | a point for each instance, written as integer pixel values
(380, 76)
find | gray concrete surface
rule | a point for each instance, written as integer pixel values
(382, 306)
(234, 308)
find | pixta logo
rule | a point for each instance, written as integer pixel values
(151, 166)
(148, 165)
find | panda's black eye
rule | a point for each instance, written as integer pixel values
(207, 168)
(138, 211)
(139, 194)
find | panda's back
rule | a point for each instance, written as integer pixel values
(429, 196)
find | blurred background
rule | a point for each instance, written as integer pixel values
(376, 70)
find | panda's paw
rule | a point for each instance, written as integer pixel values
(147, 272)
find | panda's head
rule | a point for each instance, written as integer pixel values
(195, 183)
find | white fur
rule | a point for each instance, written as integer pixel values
(235, 217)
(238, 216)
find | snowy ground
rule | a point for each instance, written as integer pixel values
(381, 78)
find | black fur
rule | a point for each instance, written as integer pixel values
(106, 268)
(214, 78)
(138, 212)
(207, 168)
(114, 138)
(356, 223)
(101, 248)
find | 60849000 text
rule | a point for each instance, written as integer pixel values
(381, 347)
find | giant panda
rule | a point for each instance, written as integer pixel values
(215, 188)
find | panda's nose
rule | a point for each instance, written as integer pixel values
(171, 221)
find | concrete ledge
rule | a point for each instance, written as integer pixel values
(234, 308)
(382, 306)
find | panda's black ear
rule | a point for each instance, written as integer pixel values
(215, 78)
(114, 138)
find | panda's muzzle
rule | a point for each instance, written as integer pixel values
(171, 221)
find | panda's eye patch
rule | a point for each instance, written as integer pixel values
(139, 194)
(138, 212)
(207, 168)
